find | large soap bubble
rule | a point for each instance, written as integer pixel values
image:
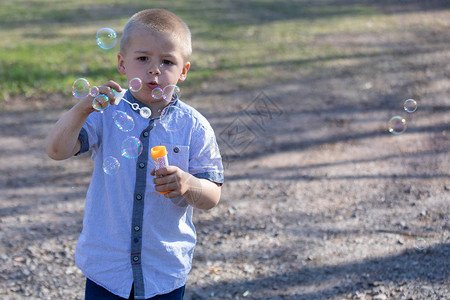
(106, 38)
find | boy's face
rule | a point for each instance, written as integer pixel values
(156, 59)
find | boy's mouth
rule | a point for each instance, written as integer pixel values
(152, 85)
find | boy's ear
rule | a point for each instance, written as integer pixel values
(120, 64)
(183, 74)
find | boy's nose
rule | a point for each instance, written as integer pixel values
(154, 69)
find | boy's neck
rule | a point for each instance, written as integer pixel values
(157, 107)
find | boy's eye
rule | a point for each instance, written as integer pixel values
(167, 62)
(142, 58)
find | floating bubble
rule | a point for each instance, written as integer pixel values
(145, 112)
(421, 244)
(123, 121)
(111, 165)
(100, 103)
(410, 105)
(157, 93)
(135, 84)
(131, 147)
(81, 88)
(173, 118)
(106, 38)
(168, 92)
(94, 92)
(397, 125)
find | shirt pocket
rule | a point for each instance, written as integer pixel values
(178, 155)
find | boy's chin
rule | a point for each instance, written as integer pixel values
(150, 101)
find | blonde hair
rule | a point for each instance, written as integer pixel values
(158, 20)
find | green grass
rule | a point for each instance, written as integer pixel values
(47, 44)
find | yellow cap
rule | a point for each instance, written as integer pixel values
(158, 151)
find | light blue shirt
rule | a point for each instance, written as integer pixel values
(131, 233)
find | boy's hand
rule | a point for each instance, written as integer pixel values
(105, 89)
(177, 182)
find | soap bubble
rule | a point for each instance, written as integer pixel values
(123, 121)
(111, 165)
(100, 103)
(135, 84)
(131, 147)
(157, 93)
(173, 118)
(94, 92)
(145, 112)
(421, 244)
(106, 38)
(410, 105)
(169, 90)
(397, 125)
(81, 88)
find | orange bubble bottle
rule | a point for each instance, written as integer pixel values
(159, 155)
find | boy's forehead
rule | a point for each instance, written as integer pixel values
(142, 39)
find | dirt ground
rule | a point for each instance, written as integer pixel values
(320, 200)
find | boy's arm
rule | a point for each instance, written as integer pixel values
(206, 197)
(62, 141)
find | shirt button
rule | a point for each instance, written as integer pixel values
(142, 165)
(136, 258)
(138, 197)
(176, 150)
(145, 133)
(137, 228)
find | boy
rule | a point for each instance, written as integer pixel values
(138, 243)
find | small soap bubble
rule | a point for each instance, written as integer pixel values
(135, 84)
(169, 90)
(410, 105)
(106, 38)
(421, 244)
(81, 88)
(397, 125)
(111, 165)
(94, 92)
(100, 103)
(131, 147)
(157, 93)
(123, 121)
(173, 118)
(145, 112)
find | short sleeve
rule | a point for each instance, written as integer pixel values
(89, 135)
(205, 160)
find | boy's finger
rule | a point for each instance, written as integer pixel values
(163, 180)
(107, 91)
(166, 187)
(166, 171)
(172, 194)
(114, 85)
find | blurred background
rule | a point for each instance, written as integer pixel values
(320, 200)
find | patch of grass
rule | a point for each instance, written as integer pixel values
(48, 44)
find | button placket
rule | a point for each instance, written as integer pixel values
(138, 213)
